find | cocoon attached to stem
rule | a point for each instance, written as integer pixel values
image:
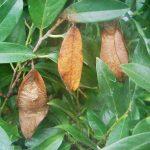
(70, 59)
(113, 50)
(32, 102)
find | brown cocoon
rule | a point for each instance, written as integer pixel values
(32, 102)
(113, 50)
(70, 59)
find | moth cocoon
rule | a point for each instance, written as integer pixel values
(32, 102)
(113, 50)
(70, 59)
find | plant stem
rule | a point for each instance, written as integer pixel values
(57, 36)
(29, 35)
(13, 83)
(47, 34)
(77, 101)
(10, 89)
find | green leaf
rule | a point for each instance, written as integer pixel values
(65, 107)
(5, 76)
(96, 124)
(142, 126)
(141, 55)
(53, 56)
(5, 6)
(109, 88)
(95, 11)
(120, 131)
(142, 34)
(46, 139)
(88, 77)
(78, 135)
(11, 130)
(91, 43)
(10, 52)
(5, 142)
(65, 146)
(140, 74)
(132, 142)
(18, 34)
(44, 12)
(11, 18)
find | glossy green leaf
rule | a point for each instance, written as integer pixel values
(10, 52)
(65, 107)
(46, 139)
(142, 126)
(132, 142)
(53, 56)
(5, 142)
(96, 124)
(88, 77)
(44, 12)
(65, 146)
(11, 130)
(111, 91)
(140, 74)
(5, 76)
(11, 19)
(95, 11)
(78, 135)
(18, 34)
(142, 34)
(91, 43)
(5, 6)
(120, 131)
(1, 2)
(141, 55)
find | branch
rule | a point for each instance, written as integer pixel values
(13, 83)
(59, 21)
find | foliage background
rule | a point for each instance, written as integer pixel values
(102, 113)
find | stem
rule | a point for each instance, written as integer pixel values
(10, 89)
(47, 34)
(57, 36)
(29, 35)
(41, 32)
(82, 93)
(13, 68)
(43, 56)
(32, 64)
(87, 87)
(13, 83)
(77, 101)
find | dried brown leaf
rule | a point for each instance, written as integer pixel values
(32, 102)
(113, 50)
(70, 59)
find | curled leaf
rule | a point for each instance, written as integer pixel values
(113, 50)
(70, 59)
(32, 102)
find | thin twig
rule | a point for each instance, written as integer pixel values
(47, 34)
(13, 83)
(29, 35)
(57, 36)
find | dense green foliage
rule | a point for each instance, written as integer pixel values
(103, 113)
